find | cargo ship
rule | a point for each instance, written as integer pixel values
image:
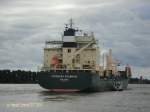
(72, 64)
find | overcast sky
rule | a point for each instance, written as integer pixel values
(123, 25)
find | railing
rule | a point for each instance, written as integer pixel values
(47, 68)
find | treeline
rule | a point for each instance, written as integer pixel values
(27, 77)
(139, 81)
(18, 76)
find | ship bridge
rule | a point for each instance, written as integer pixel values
(73, 51)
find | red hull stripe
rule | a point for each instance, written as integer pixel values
(64, 90)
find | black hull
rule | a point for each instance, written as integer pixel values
(79, 80)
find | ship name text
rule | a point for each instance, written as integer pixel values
(65, 76)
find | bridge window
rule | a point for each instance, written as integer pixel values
(69, 50)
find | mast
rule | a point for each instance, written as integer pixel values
(71, 23)
(109, 60)
(69, 31)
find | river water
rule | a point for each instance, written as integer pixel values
(32, 98)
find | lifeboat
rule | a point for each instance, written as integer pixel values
(54, 61)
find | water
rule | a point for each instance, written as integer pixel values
(32, 98)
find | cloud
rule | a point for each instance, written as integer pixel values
(120, 25)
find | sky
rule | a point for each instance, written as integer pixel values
(123, 25)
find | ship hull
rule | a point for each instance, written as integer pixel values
(79, 80)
